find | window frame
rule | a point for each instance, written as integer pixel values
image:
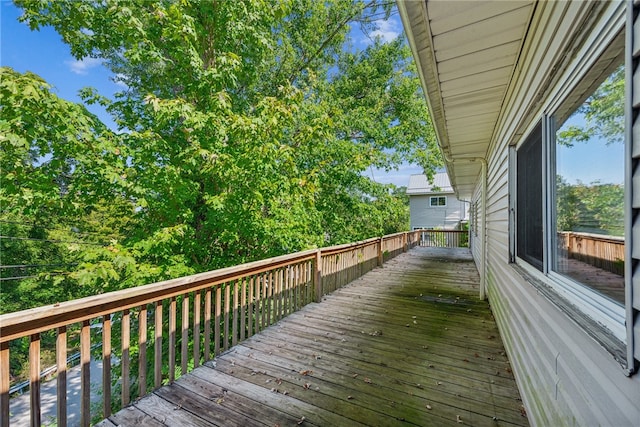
(588, 301)
(437, 198)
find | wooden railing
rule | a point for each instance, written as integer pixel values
(604, 252)
(200, 316)
(444, 238)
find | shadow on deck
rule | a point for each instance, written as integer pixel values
(406, 344)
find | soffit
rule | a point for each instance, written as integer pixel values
(466, 52)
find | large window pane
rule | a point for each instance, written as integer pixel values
(589, 189)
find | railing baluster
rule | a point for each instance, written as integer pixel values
(85, 373)
(196, 328)
(106, 365)
(216, 325)
(243, 309)
(207, 324)
(4, 384)
(142, 351)
(125, 362)
(227, 308)
(288, 294)
(34, 379)
(234, 329)
(279, 295)
(270, 301)
(251, 305)
(184, 322)
(264, 302)
(61, 379)
(157, 357)
(290, 281)
(172, 340)
(256, 284)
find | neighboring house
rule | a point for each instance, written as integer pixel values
(434, 205)
(505, 81)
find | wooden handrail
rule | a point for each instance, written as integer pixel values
(36, 320)
(239, 301)
(601, 251)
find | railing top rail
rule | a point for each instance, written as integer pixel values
(35, 320)
(440, 231)
(594, 236)
(332, 250)
(391, 236)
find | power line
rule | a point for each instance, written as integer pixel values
(36, 265)
(2, 279)
(32, 239)
(81, 233)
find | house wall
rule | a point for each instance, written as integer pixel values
(425, 216)
(565, 376)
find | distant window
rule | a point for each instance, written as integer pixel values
(438, 201)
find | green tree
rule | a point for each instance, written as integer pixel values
(246, 127)
(603, 114)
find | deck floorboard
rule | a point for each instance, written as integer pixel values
(407, 344)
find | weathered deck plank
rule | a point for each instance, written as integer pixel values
(407, 344)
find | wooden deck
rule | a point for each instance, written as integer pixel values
(406, 344)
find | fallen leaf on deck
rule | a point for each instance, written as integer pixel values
(306, 372)
(428, 407)
(458, 419)
(301, 420)
(367, 380)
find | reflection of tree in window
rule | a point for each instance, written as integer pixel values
(590, 189)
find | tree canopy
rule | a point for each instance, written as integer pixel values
(245, 130)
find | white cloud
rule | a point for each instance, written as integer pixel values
(387, 30)
(82, 66)
(119, 80)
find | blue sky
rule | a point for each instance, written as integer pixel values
(44, 53)
(590, 161)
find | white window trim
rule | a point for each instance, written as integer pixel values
(437, 205)
(598, 307)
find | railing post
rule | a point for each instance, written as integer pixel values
(404, 242)
(380, 253)
(317, 275)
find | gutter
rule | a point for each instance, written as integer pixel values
(483, 195)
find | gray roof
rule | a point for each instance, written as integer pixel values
(419, 184)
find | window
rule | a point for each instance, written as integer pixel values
(569, 194)
(438, 201)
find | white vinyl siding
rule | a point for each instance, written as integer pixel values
(565, 376)
(424, 215)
